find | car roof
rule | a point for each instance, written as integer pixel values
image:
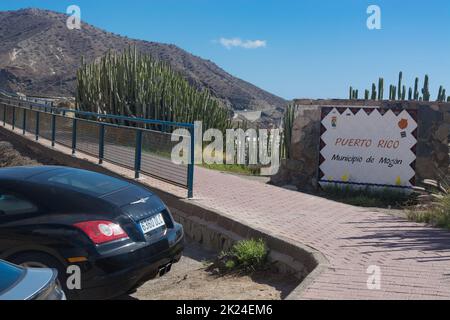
(24, 173)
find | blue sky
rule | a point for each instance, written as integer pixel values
(313, 48)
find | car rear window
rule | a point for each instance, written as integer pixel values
(12, 204)
(83, 181)
(10, 274)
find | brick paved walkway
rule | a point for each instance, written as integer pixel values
(414, 259)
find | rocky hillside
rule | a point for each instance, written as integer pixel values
(40, 55)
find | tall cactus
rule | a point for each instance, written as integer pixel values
(288, 124)
(400, 78)
(374, 92)
(136, 85)
(380, 89)
(439, 97)
(426, 89)
(400, 92)
(416, 89)
(442, 95)
(392, 92)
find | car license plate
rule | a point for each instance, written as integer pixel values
(152, 223)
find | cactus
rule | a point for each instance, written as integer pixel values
(399, 92)
(380, 89)
(374, 92)
(400, 78)
(442, 95)
(439, 97)
(288, 123)
(425, 89)
(133, 84)
(416, 89)
(350, 93)
(392, 92)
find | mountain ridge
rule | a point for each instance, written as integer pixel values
(40, 55)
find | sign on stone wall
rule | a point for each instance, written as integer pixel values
(368, 146)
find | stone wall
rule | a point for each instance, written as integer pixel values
(301, 171)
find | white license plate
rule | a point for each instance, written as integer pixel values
(152, 223)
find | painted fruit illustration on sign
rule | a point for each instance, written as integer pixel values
(403, 124)
(334, 122)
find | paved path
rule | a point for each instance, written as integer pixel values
(414, 260)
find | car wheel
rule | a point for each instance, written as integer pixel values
(42, 260)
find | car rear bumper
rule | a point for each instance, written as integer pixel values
(127, 271)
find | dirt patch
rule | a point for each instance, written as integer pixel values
(189, 280)
(10, 157)
(15, 154)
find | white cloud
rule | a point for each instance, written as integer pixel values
(246, 44)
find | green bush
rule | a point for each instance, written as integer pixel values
(247, 255)
(437, 214)
(369, 197)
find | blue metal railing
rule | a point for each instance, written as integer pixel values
(144, 147)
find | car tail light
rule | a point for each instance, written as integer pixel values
(102, 231)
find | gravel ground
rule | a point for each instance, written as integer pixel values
(189, 280)
(9, 157)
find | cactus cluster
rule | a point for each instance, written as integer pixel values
(133, 84)
(400, 92)
(353, 94)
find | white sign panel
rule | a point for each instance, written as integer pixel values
(368, 146)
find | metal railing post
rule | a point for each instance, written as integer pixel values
(191, 164)
(37, 125)
(138, 154)
(13, 117)
(101, 144)
(74, 136)
(53, 129)
(4, 114)
(24, 122)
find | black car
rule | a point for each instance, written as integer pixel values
(113, 233)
